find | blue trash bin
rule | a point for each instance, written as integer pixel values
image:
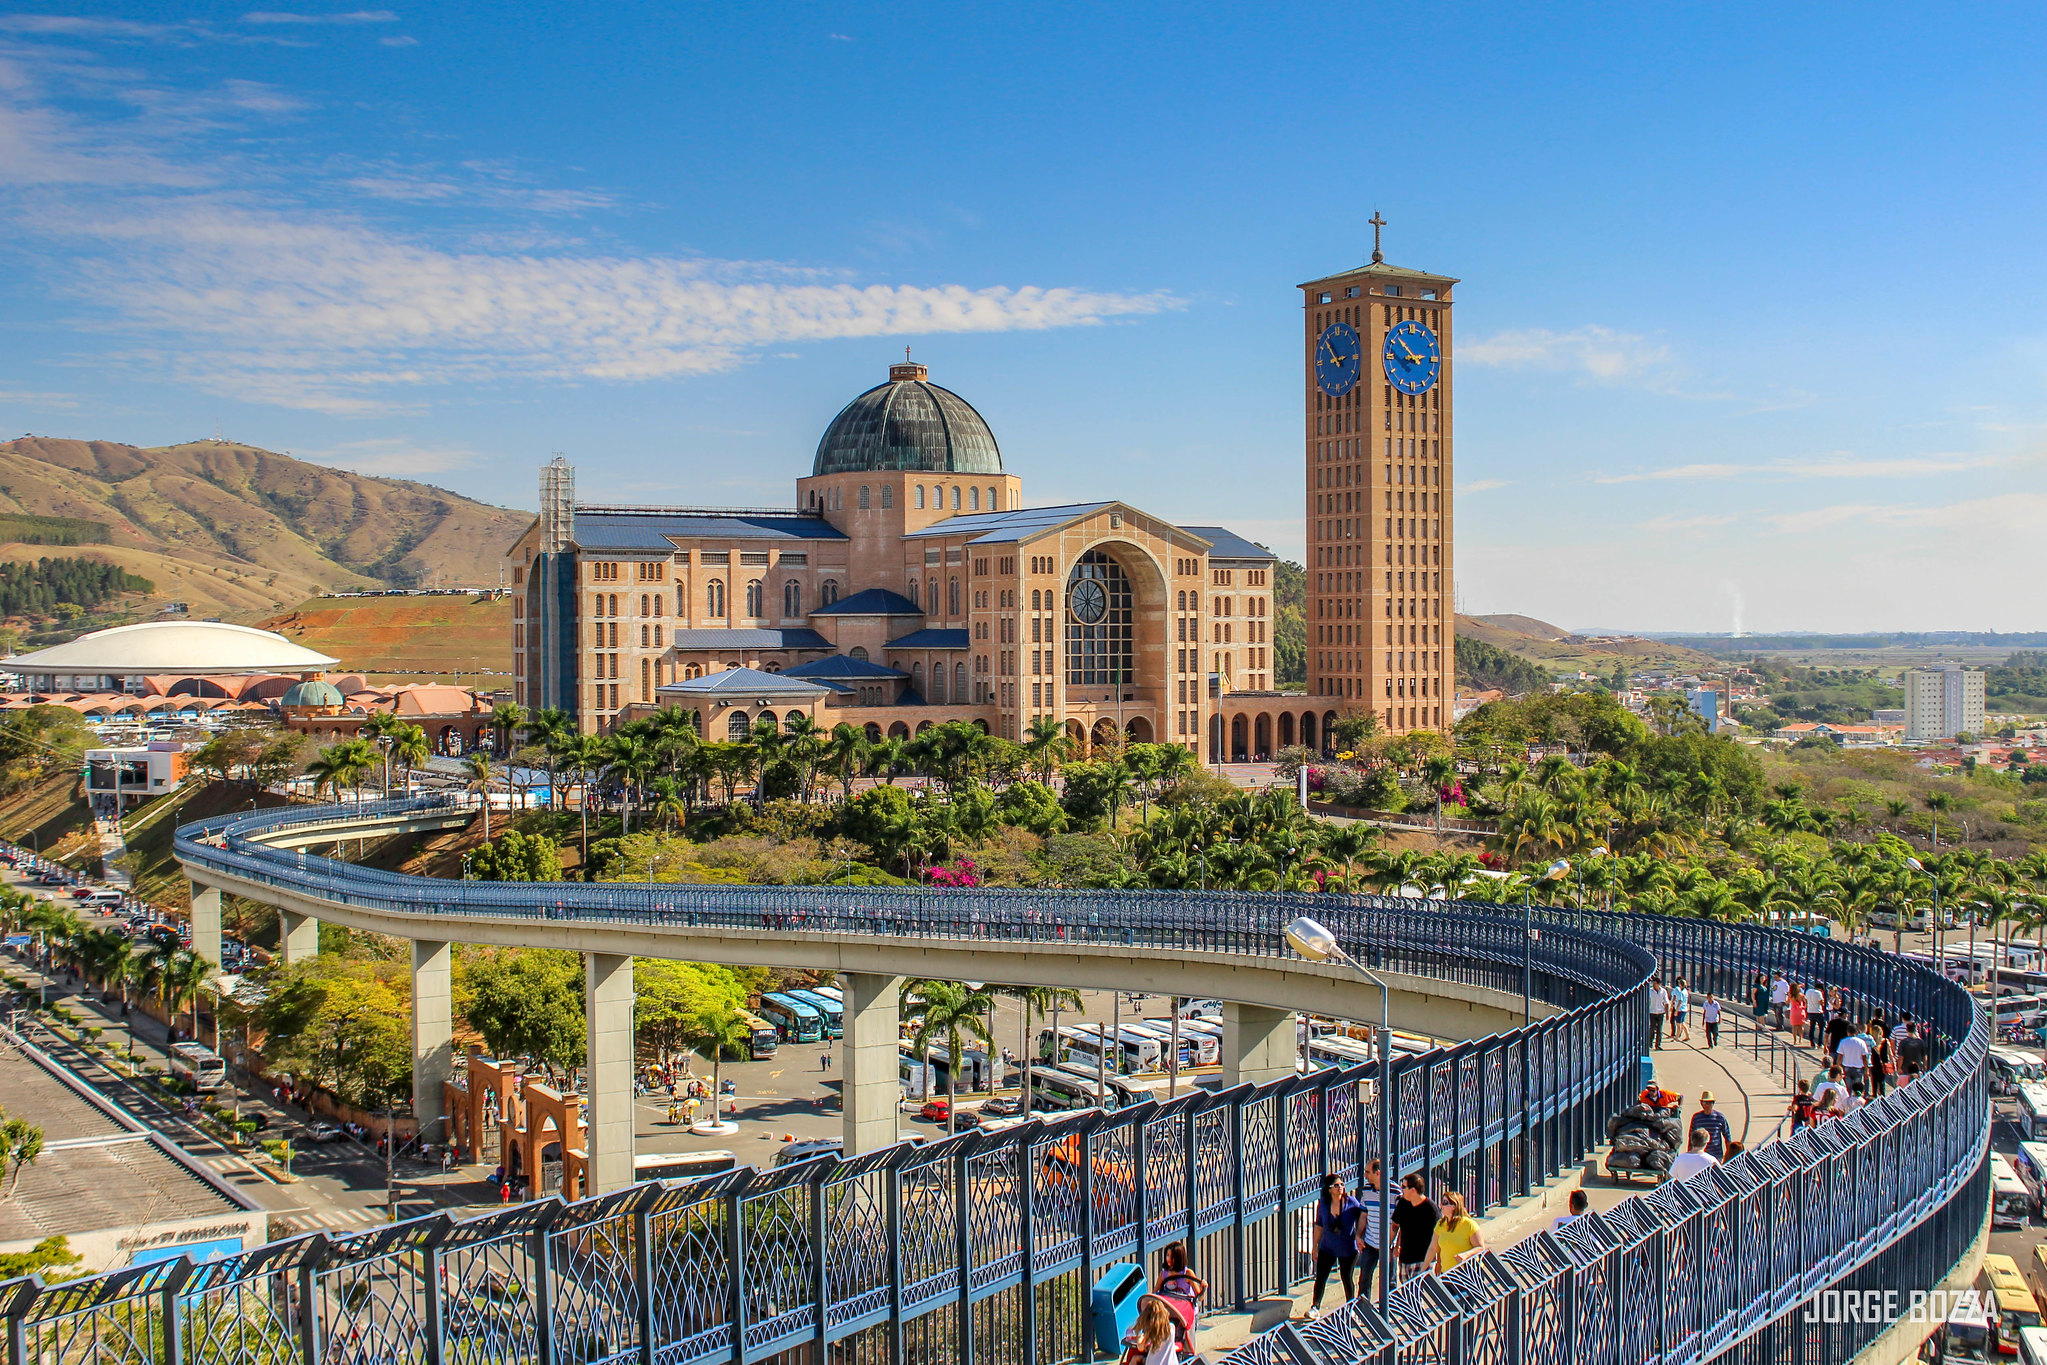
(1116, 1297)
(1648, 1072)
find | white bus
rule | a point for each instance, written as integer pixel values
(2032, 1115)
(929, 1080)
(2031, 1166)
(199, 1065)
(1054, 1088)
(2010, 1203)
(681, 1165)
(1197, 1048)
(1083, 1045)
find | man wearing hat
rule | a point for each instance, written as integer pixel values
(1714, 1124)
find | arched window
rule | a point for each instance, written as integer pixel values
(955, 499)
(920, 495)
(714, 598)
(888, 495)
(612, 610)
(646, 608)
(932, 586)
(952, 595)
(792, 598)
(974, 499)
(863, 497)
(1098, 650)
(917, 679)
(959, 682)
(938, 682)
(736, 725)
(1035, 604)
(857, 652)
(660, 605)
(753, 598)
(914, 595)
(992, 503)
(828, 592)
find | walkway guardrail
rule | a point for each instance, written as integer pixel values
(982, 1248)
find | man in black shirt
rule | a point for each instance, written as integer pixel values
(1414, 1217)
(1913, 1053)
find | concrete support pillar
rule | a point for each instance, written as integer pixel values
(206, 922)
(608, 1099)
(433, 1035)
(870, 1079)
(298, 937)
(1259, 1044)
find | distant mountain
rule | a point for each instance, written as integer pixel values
(1561, 651)
(239, 532)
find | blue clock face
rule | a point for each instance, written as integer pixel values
(1413, 358)
(1339, 359)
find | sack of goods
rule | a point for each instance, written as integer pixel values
(1645, 1136)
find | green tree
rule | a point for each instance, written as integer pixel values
(951, 1011)
(526, 1002)
(516, 857)
(712, 1035)
(21, 1142)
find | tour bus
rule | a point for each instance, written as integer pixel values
(798, 1022)
(2016, 1307)
(1209, 1028)
(1197, 1048)
(1804, 921)
(2031, 1119)
(1967, 1335)
(833, 994)
(199, 1065)
(1083, 1045)
(681, 1165)
(830, 1010)
(2010, 1205)
(2024, 1010)
(975, 1073)
(2033, 1346)
(762, 1039)
(1055, 1088)
(2011, 1068)
(2031, 1164)
(2022, 954)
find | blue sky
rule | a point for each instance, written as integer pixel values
(1750, 330)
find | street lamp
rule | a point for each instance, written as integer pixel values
(1312, 941)
(1939, 962)
(1598, 851)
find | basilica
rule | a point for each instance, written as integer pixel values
(909, 585)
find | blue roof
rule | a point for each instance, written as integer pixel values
(840, 667)
(747, 681)
(652, 528)
(1007, 526)
(1228, 544)
(765, 638)
(871, 602)
(932, 639)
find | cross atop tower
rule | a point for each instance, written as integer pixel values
(1377, 222)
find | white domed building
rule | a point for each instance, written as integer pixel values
(908, 586)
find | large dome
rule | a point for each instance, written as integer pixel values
(910, 424)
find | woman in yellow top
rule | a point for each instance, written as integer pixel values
(1457, 1236)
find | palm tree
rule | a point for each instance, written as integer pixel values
(506, 717)
(1438, 770)
(481, 775)
(410, 747)
(634, 759)
(179, 978)
(951, 1009)
(552, 727)
(887, 758)
(846, 755)
(1936, 803)
(805, 744)
(584, 755)
(1047, 742)
(712, 1034)
(383, 725)
(1039, 1001)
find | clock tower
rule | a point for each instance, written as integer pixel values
(1377, 377)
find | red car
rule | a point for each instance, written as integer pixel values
(935, 1110)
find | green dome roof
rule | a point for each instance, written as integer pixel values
(315, 693)
(908, 424)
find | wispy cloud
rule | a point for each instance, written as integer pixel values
(358, 16)
(1697, 523)
(1596, 352)
(2021, 514)
(285, 302)
(1484, 485)
(38, 399)
(394, 457)
(1830, 467)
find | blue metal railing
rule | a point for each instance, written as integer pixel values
(981, 1248)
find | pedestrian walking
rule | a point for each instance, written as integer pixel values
(1815, 1012)
(1680, 1012)
(1780, 995)
(1371, 1233)
(1659, 1003)
(1414, 1218)
(1694, 1160)
(1794, 1011)
(1713, 1124)
(1580, 1206)
(1457, 1238)
(1709, 1015)
(1853, 1054)
(1336, 1240)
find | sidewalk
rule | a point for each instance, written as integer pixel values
(1753, 1098)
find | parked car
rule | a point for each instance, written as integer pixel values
(52, 879)
(935, 1111)
(322, 1131)
(806, 1148)
(1002, 1107)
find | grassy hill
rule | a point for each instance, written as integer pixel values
(239, 532)
(455, 638)
(1560, 651)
